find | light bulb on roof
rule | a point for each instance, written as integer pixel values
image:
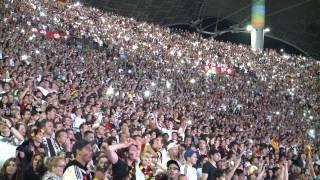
(249, 28)
(266, 30)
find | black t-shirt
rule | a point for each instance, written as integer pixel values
(120, 170)
(209, 169)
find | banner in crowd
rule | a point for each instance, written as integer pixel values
(215, 70)
(49, 34)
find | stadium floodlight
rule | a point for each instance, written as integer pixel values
(249, 28)
(266, 30)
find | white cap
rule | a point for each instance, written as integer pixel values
(172, 145)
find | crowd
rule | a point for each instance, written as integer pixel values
(142, 102)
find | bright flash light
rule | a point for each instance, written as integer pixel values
(77, 4)
(168, 84)
(249, 28)
(24, 57)
(192, 81)
(147, 93)
(266, 30)
(153, 84)
(281, 50)
(311, 117)
(277, 113)
(23, 31)
(110, 91)
(37, 51)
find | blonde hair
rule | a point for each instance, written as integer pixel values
(52, 162)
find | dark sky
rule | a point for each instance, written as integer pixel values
(240, 38)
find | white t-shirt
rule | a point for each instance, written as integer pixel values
(189, 171)
(77, 121)
(8, 148)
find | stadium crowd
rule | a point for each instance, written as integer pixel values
(86, 94)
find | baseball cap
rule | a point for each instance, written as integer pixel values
(173, 162)
(189, 153)
(78, 145)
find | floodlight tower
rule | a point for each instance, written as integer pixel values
(257, 24)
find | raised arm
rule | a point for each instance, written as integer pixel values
(14, 131)
(23, 94)
(111, 150)
(233, 170)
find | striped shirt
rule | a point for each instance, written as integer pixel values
(76, 171)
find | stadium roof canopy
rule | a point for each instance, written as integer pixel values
(294, 21)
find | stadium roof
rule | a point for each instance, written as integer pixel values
(294, 21)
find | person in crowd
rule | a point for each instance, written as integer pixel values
(36, 168)
(11, 170)
(10, 139)
(128, 167)
(173, 170)
(32, 146)
(188, 169)
(90, 137)
(55, 166)
(172, 149)
(76, 169)
(49, 139)
(210, 168)
(103, 168)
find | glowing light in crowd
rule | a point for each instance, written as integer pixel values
(37, 51)
(277, 113)
(110, 91)
(147, 93)
(153, 84)
(312, 133)
(24, 57)
(168, 84)
(23, 31)
(192, 81)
